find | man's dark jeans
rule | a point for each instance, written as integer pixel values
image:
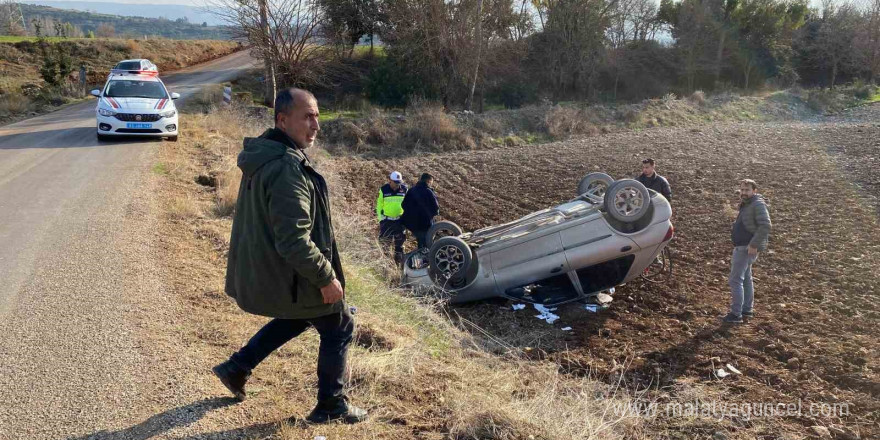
(421, 238)
(336, 334)
(393, 230)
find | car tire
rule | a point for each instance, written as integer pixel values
(627, 200)
(449, 259)
(442, 229)
(591, 180)
(172, 138)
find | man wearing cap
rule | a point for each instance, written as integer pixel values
(389, 209)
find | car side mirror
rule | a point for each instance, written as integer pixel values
(96, 92)
(175, 95)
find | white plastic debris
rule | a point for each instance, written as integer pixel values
(546, 314)
(604, 298)
(566, 329)
(721, 373)
(519, 306)
(611, 291)
(591, 308)
(733, 370)
(320, 437)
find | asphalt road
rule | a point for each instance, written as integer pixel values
(77, 275)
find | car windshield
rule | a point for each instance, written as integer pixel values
(136, 89)
(129, 65)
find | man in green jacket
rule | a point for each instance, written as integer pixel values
(283, 260)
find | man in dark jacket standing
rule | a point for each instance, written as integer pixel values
(419, 209)
(750, 234)
(283, 260)
(652, 180)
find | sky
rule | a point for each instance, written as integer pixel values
(150, 2)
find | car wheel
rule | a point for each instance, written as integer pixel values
(442, 229)
(627, 200)
(598, 183)
(172, 138)
(450, 258)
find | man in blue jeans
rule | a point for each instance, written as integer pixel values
(750, 234)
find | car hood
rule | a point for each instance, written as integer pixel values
(143, 105)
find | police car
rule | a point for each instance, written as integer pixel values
(135, 66)
(136, 104)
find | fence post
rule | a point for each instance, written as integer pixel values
(227, 95)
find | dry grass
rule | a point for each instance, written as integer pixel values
(416, 372)
(13, 104)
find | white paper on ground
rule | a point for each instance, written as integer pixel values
(591, 308)
(546, 314)
(519, 306)
(566, 329)
(734, 370)
(721, 373)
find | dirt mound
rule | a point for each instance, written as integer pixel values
(814, 339)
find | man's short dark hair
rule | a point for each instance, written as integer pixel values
(285, 100)
(750, 183)
(649, 160)
(426, 177)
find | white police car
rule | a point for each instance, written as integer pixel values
(136, 104)
(135, 66)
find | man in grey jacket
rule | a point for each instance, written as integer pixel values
(750, 234)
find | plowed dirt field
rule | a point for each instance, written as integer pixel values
(814, 340)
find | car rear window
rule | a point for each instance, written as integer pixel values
(129, 65)
(136, 89)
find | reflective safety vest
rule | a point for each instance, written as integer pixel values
(388, 205)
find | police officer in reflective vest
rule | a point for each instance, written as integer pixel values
(389, 210)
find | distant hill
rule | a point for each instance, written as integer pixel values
(194, 14)
(133, 27)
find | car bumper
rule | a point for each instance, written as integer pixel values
(110, 126)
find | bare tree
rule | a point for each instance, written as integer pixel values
(284, 34)
(836, 37)
(869, 38)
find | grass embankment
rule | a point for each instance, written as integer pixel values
(418, 374)
(23, 91)
(353, 126)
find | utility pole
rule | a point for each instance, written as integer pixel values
(12, 15)
(470, 100)
(269, 98)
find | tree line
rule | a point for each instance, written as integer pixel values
(514, 52)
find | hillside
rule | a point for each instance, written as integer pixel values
(193, 14)
(135, 27)
(23, 90)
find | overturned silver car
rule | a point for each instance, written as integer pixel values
(608, 235)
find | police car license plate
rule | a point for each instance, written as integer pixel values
(138, 125)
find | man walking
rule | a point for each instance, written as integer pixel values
(652, 180)
(750, 234)
(389, 209)
(283, 260)
(419, 209)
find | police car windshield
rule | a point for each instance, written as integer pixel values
(129, 65)
(136, 89)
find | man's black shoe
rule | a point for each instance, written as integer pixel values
(730, 318)
(748, 315)
(334, 409)
(233, 377)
